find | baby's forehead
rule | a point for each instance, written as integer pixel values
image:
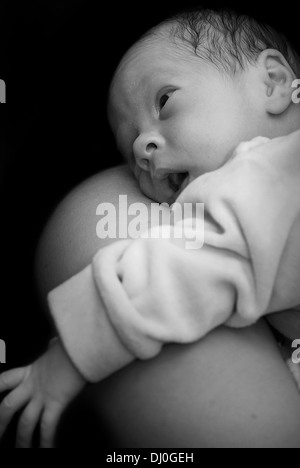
(147, 52)
(151, 57)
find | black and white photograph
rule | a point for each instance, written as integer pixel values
(150, 227)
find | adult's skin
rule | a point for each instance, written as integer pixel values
(231, 389)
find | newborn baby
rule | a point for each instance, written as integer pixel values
(182, 100)
(179, 106)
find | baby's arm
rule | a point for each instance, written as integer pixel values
(140, 294)
(42, 391)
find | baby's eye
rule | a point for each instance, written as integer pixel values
(163, 100)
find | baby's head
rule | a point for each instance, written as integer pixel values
(195, 86)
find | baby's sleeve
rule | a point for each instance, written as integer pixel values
(138, 295)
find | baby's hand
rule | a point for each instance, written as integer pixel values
(43, 389)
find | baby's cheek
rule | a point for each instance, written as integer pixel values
(184, 145)
(181, 131)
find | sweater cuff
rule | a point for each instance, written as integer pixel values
(84, 328)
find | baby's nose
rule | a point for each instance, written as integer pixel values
(144, 160)
(144, 149)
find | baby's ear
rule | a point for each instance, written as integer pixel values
(278, 78)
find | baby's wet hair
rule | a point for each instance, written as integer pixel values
(227, 39)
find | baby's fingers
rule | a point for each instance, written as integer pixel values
(11, 404)
(49, 425)
(27, 424)
(11, 378)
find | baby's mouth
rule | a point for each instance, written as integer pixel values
(178, 181)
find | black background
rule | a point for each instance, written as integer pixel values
(57, 58)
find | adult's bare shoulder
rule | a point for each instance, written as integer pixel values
(69, 240)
